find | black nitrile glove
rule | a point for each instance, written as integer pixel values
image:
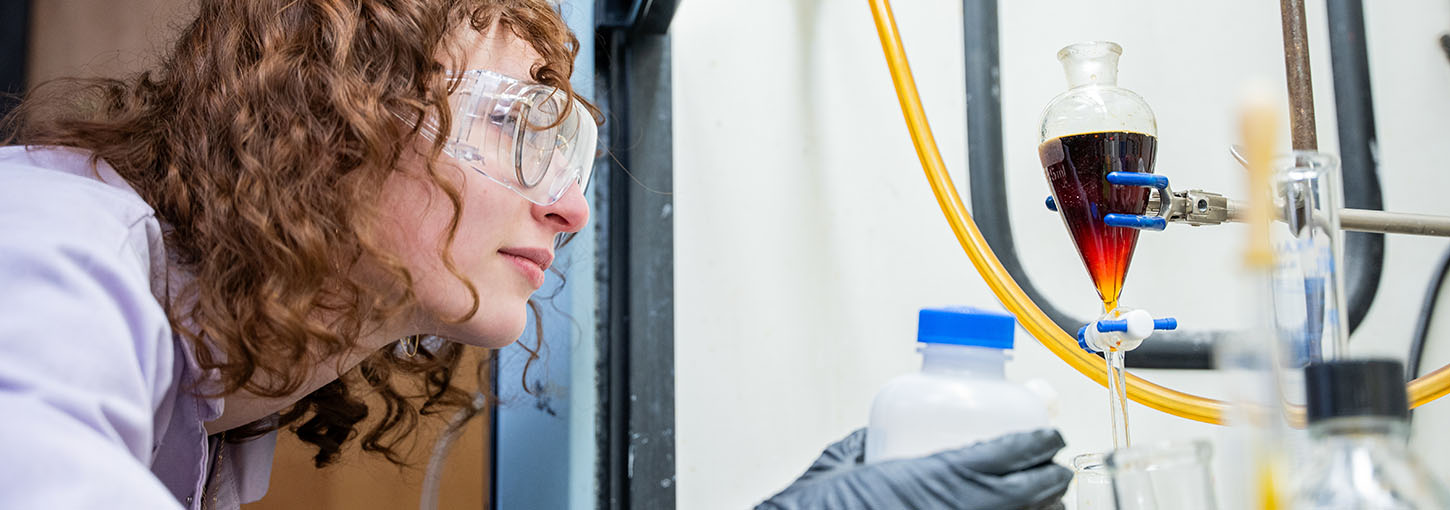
(1011, 472)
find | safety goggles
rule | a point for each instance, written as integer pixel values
(533, 139)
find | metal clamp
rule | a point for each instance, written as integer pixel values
(1193, 207)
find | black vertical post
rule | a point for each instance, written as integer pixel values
(614, 283)
(637, 423)
(651, 298)
(14, 51)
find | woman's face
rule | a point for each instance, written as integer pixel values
(504, 244)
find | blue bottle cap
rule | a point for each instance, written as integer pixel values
(960, 325)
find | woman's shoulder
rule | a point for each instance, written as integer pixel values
(58, 198)
(89, 348)
(64, 181)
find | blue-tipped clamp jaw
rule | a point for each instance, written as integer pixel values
(1140, 222)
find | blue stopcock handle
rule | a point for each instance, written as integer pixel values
(1109, 325)
(1135, 221)
(1138, 179)
(1120, 325)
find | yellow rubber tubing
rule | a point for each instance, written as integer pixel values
(1063, 345)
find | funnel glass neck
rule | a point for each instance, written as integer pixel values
(1091, 63)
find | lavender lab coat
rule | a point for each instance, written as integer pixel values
(93, 410)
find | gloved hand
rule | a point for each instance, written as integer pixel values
(1008, 473)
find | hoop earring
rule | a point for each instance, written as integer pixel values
(410, 344)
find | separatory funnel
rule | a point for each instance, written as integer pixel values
(1097, 144)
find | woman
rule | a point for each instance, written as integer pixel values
(235, 242)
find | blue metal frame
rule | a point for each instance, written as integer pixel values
(545, 440)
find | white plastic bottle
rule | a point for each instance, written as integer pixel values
(960, 396)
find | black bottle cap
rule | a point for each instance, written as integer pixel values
(1338, 389)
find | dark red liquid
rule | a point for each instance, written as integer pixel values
(1077, 167)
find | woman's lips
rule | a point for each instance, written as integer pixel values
(531, 270)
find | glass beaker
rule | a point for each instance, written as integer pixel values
(1309, 304)
(1169, 476)
(1094, 482)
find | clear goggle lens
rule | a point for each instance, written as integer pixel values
(530, 138)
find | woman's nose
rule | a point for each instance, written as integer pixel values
(569, 214)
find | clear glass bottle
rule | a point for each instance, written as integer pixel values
(1360, 458)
